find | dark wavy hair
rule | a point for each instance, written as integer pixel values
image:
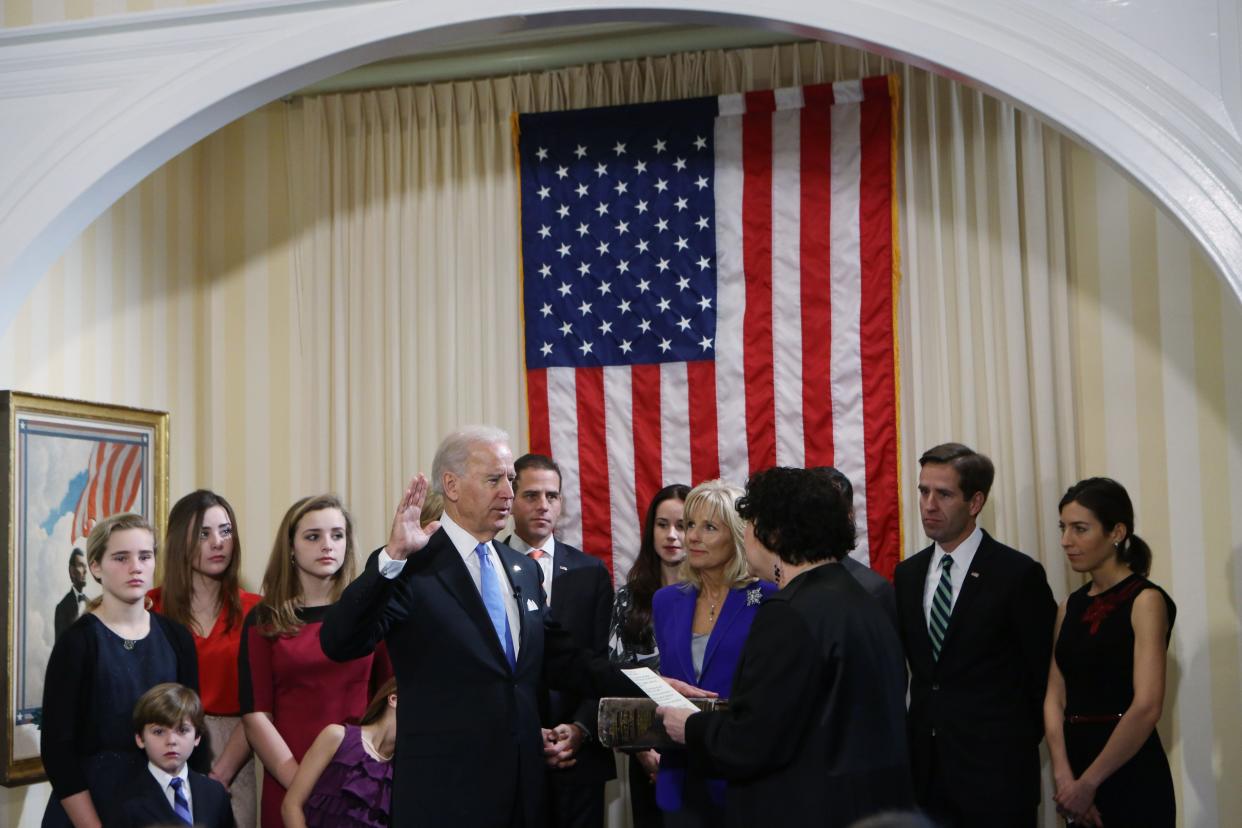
(644, 576)
(1109, 501)
(798, 514)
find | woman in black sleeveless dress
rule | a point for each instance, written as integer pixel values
(1107, 679)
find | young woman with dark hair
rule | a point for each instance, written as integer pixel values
(1107, 678)
(201, 590)
(631, 636)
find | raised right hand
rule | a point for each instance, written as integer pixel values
(407, 535)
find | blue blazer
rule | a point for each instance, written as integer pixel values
(672, 610)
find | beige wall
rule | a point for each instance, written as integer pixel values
(1161, 410)
(190, 276)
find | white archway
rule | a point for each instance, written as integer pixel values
(91, 109)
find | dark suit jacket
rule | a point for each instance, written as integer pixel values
(582, 605)
(142, 803)
(66, 613)
(976, 715)
(672, 613)
(876, 584)
(469, 750)
(815, 732)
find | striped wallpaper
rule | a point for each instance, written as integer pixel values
(1160, 409)
(192, 275)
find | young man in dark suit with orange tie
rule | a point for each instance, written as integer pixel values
(578, 591)
(976, 623)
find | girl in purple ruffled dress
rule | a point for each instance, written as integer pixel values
(345, 779)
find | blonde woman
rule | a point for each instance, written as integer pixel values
(701, 625)
(289, 690)
(99, 668)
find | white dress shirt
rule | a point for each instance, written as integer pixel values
(164, 778)
(465, 543)
(962, 557)
(545, 563)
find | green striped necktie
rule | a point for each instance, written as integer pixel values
(942, 607)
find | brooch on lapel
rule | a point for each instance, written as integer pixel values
(754, 597)
(517, 568)
(531, 606)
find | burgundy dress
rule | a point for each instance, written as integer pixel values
(355, 789)
(1095, 653)
(301, 689)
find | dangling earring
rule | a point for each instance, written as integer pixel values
(776, 573)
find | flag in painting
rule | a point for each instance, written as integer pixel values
(113, 484)
(708, 291)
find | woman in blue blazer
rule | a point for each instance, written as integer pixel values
(700, 627)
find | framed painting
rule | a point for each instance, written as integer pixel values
(67, 464)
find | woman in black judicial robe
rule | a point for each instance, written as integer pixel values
(815, 730)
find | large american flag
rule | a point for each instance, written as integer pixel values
(708, 290)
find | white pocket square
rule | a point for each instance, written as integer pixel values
(531, 606)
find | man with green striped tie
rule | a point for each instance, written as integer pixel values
(976, 621)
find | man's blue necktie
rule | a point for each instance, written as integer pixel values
(493, 599)
(180, 807)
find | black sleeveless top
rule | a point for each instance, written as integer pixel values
(1095, 653)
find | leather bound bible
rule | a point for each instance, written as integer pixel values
(630, 725)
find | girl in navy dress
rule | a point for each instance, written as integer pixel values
(99, 668)
(1107, 679)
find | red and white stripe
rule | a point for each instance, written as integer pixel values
(113, 484)
(804, 373)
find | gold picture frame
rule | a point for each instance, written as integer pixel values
(67, 463)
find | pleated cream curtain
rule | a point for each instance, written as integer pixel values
(405, 209)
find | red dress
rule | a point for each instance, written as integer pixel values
(302, 689)
(217, 657)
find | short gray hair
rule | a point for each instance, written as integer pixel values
(455, 448)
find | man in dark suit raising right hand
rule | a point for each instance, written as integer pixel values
(976, 623)
(471, 643)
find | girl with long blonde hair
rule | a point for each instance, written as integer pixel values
(99, 668)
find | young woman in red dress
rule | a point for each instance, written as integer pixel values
(201, 591)
(290, 690)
